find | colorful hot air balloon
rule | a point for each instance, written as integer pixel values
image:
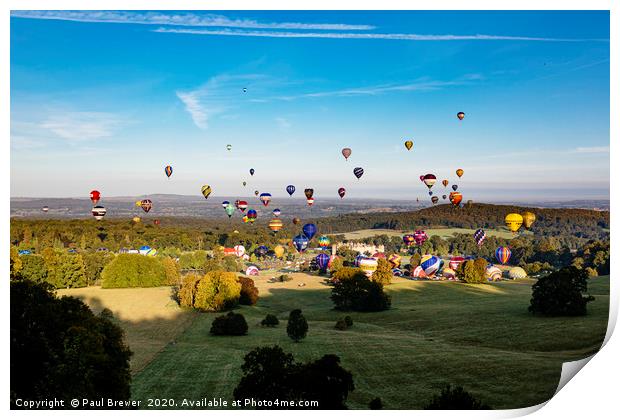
(309, 192)
(265, 198)
(168, 171)
(322, 260)
(309, 229)
(418, 272)
(206, 191)
(241, 205)
(434, 199)
(368, 266)
(252, 215)
(228, 147)
(98, 212)
(146, 205)
(479, 236)
(430, 264)
(296, 220)
(459, 172)
(261, 251)
(502, 254)
(300, 242)
(239, 250)
(136, 219)
(528, 219)
(455, 198)
(346, 152)
(408, 144)
(460, 115)
(290, 189)
(455, 187)
(358, 172)
(275, 225)
(256, 192)
(341, 192)
(276, 212)
(324, 242)
(419, 236)
(310, 201)
(408, 239)
(513, 221)
(225, 203)
(45, 209)
(278, 251)
(230, 210)
(445, 182)
(95, 196)
(493, 273)
(394, 260)
(429, 180)
(252, 171)
(245, 219)
(357, 259)
(456, 261)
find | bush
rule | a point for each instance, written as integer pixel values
(375, 404)
(297, 326)
(336, 264)
(285, 278)
(270, 321)
(560, 293)
(229, 324)
(383, 273)
(348, 320)
(474, 271)
(354, 291)
(133, 270)
(60, 349)
(33, 269)
(249, 292)
(270, 374)
(217, 291)
(172, 270)
(346, 273)
(188, 289)
(415, 260)
(64, 270)
(94, 263)
(341, 325)
(455, 399)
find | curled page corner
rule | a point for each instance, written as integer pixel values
(570, 369)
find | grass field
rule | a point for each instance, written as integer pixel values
(444, 233)
(477, 336)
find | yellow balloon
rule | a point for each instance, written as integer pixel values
(206, 191)
(136, 219)
(139, 203)
(528, 219)
(279, 251)
(513, 221)
(408, 144)
(459, 172)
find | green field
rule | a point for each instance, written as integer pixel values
(444, 233)
(477, 336)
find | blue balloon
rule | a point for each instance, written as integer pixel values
(322, 260)
(309, 230)
(261, 251)
(300, 242)
(290, 189)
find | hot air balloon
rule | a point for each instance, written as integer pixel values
(419, 236)
(241, 205)
(528, 219)
(252, 215)
(460, 115)
(239, 250)
(206, 191)
(408, 144)
(309, 192)
(444, 196)
(136, 219)
(278, 251)
(324, 242)
(230, 210)
(252, 171)
(245, 219)
(322, 260)
(341, 192)
(513, 221)
(296, 220)
(517, 273)
(479, 236)
(95, 196)
(310, 201)
(300, 242)
(225, 203)
(146, 205)
(309, 229)
(265, 198)
(168, 171)
(346, 152)
(228, 147)
(455, 187)
(98, 212)
(156, 222)
(368, 266)
(45, 209)
(408, 239)
(358, 172)
(455, 198)
(290, 189)
(252, 271)
(276, 212)
(429, 180)
(430, 193)
(445, 182)
(456, 261)
(502, 254)
(245, 90)
(493, 273)
(459, 172)
(256, 192)
(430, 264)
(275, 225)
(394, 260)
(357, 259)
(434, 199)
(261, 251)
(422, 178)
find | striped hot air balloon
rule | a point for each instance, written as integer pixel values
(455, 198)
(528, 219)
(408, 144)
(239, 250)
(418, 272)
(265, 198)
(241, 205)
(429, 180)
(517, 273)
(252, 215)
(394, 260)
(146, 205)
(341, 192)
(502, 254)
(368, 266)
(357, 259)
(310, 201)
(168, 171)
(430, 264)
(322, 260)
(275, 225)
(449, 274)
(324, 242)
(206, 191)
(225, 203)
(276, 212)
(419, 236)
(408, 239)
(252, 271)
(358, 172)
(300, 242)
(456, 261)
(98, 212)
(493, 273)
(479, 236)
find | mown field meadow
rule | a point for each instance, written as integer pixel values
(442, 232)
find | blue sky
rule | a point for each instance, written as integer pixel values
(106, 99)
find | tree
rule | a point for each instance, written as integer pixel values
(249, 292)
(217, 291)
(560, 293)
(473, 271)
(270, 321)
(336, 264)
(60, 349)
(16, 262)
(94, 262)
(33, 269)
(383, 273)
(415, 260)
(375, 404)
(229, 324)
(455, 399)
(172, 270)
(354, 291)
(187, 291)
(297, 326)
(133, 270)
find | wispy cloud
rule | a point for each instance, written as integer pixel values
(594, 149)
(354, 35)
(177, 19)
(82, 126)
